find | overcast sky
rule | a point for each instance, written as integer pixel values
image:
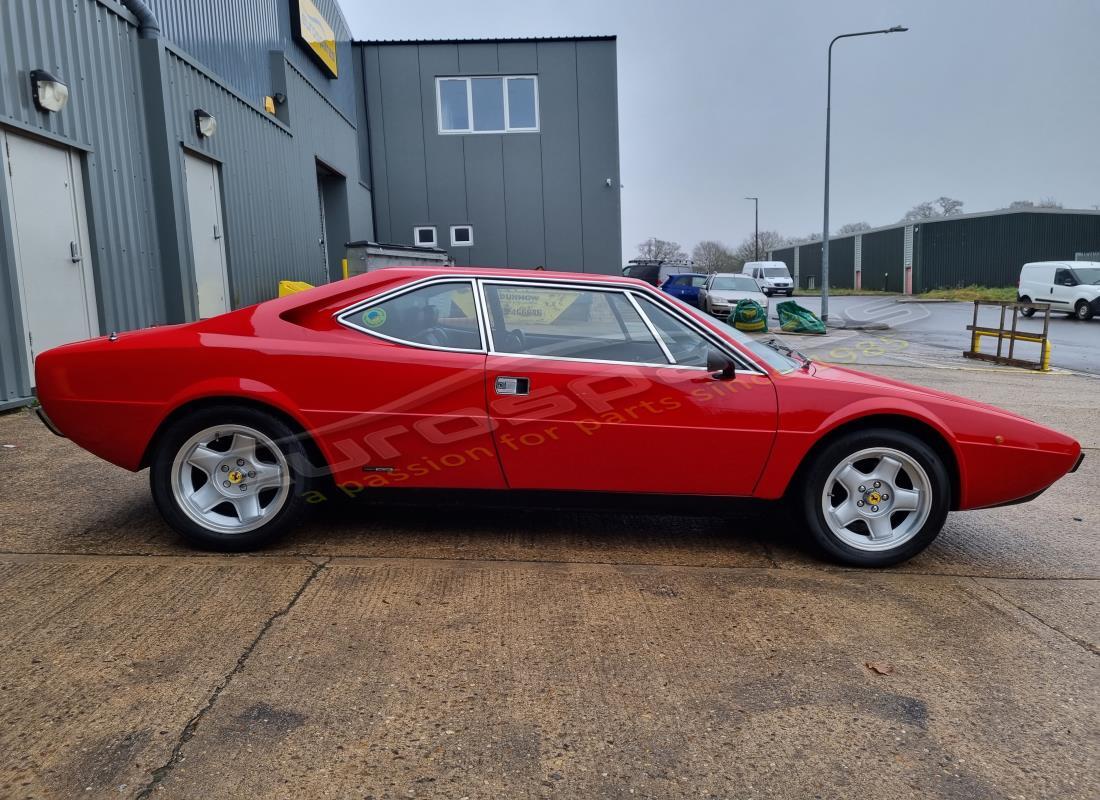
(987, 101)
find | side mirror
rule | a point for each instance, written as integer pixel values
(1069, 282)
(720, 367)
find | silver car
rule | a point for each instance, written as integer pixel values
(723, 289)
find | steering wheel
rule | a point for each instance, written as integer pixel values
(436, 336)
(518, 340)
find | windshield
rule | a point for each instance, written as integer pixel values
(773, 358)
(734, 283)
(1087, 275)
(776, 272)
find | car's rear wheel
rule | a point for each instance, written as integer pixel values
(875, 498)
(229, 478)
(1027, 311)
(1083, 311)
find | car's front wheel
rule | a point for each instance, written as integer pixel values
(875, 498)
(1083, 311)
(229, 478)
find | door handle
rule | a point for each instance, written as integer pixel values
(508, 385)
(74, 252)
(217, 231)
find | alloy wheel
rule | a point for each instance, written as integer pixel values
(230, 479)
(877, 499)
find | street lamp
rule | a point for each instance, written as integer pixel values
(756, 227)
(828, 112)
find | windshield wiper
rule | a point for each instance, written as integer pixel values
(788, 351)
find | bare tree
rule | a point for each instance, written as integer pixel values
(940, 207)
(949, 206)
(748, 249)
(852, 227)
(1048, 202)
(712, 256)
(925, 210)
(661, 250)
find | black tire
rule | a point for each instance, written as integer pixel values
(178, 433)
(817, 472)
(1082, 311)
(1027, 311)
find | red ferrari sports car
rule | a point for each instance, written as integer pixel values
(499, 379)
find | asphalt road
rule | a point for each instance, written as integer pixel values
(1075, 345)
(470, 652)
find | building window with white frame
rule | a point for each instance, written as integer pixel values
(462, 236)
(491, 104)
(424, 236)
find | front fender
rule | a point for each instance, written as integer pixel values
(801, 430)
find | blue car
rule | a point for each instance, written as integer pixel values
(685, 286)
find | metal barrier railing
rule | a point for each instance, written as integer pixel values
(1011, 335)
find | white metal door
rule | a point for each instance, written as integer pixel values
(204, 209)
(52, 254)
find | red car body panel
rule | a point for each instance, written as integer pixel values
(430, 417)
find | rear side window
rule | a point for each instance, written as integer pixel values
(441, 315)
(569, 323)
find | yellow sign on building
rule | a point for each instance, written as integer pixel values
(316, 34)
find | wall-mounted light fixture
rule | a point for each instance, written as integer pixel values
(205, 124)
(50, 94)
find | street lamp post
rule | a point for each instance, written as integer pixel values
(828, 113)
(756, 228)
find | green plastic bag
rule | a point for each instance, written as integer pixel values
(748, 315)
(793, 318)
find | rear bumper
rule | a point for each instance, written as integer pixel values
(41, 412)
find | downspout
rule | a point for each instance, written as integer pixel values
(148, 26)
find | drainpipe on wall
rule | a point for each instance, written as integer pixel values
(148, 26)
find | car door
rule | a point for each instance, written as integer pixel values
(606, 389)
(678, 286)
(400, 398)
(1063, 289)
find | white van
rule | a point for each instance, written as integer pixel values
(1070, 286)
(771, 276)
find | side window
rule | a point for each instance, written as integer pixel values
(569, 323)
(1064, 277)
(687, 346)
(438, 315)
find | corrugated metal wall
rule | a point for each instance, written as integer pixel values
(882, 259)
(809, 265)
(786, 255)
(265, 164)
(93, 49)
(268, 168)
(842, 263)
(990, 250)
(233, 40)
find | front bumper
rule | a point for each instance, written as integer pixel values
(41, 412)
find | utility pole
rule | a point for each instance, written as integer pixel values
(756, 228)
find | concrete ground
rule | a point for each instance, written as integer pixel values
(402, 652)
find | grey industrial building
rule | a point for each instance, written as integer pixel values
(207, 150)
(987, 249)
